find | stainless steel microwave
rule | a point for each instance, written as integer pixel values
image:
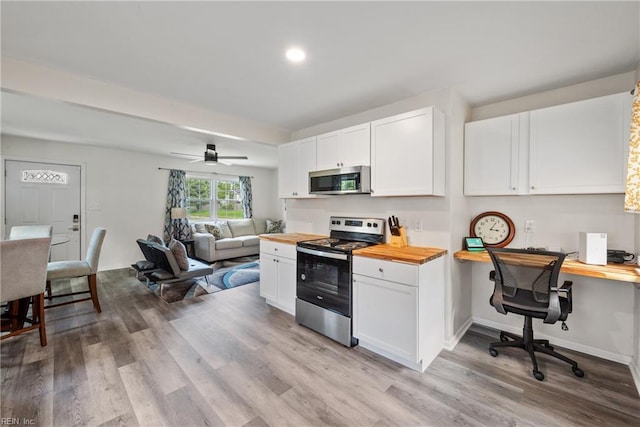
(348, 180)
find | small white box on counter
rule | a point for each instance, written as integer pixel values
(592, 248)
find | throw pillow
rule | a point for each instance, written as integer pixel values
(274, 226)
(199, 227)
(214, 230)
(179, 253)
(226, 231)
(155, 239)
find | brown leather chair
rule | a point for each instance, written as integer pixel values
(23, 265)
(72, 269)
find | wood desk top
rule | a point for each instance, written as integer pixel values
(408, 254)
(621, 272)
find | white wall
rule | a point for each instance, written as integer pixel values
(635, 364)
(443, 218)
(446, 221)
(131, 191)
(558, 221)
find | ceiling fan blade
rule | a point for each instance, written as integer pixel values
(224, 163)
(234, 157)
(185, 154)
(196, 161)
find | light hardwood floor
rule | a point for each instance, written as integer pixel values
(230, 359)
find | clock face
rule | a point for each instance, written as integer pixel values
(494, 228)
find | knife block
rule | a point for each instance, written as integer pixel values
(399, 241)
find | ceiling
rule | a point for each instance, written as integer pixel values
(228, 57)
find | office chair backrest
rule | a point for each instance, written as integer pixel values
(534, 271)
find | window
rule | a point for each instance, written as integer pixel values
(225, 198)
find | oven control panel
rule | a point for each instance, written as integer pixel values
(358, 225)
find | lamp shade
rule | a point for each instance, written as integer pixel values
(178, 213)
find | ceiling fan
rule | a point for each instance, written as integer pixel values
(211, 156)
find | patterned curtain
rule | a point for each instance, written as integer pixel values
(246, 196)
(632, 191)
(176, 198)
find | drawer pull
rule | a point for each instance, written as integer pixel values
(380, 270)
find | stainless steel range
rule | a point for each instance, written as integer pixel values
(324, 288)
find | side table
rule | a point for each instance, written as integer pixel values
(189, 245)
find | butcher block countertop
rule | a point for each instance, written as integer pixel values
(408, 254)
(621, 272)
(290, 238)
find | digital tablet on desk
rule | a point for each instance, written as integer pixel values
(474, 244)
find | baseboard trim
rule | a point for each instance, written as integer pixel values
(593, 351)
(634, 366)
(452, 342)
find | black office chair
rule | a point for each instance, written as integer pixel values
(526, 283)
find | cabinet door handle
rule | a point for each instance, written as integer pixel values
(380, 270)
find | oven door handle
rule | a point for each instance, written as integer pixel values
(322, 254)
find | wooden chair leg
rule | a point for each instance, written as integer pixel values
(13, 314)
(48, 289)
(38, 304)
(93, 289)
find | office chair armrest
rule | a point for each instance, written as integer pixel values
(564, 291)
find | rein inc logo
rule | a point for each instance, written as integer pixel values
(17, 421)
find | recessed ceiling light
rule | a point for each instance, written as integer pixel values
(296, 54)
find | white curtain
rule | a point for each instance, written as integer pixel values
(632, 190)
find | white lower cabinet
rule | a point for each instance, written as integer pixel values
(278, 275)
(398, 309)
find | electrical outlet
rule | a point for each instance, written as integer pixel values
(418, 225)
(529, 226)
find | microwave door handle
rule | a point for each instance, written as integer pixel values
(323, 254)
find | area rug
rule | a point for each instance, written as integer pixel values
(227, 274)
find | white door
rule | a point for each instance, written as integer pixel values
(45, 193)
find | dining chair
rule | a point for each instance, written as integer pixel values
(30, 231)
(23, 265)
(73, 269)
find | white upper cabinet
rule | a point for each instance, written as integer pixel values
(580, 147)
(491, 155)
(345, 147)
(295, 160)
(408, 155)
(576, 148)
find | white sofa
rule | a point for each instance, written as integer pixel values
(239, 238)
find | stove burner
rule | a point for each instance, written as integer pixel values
(352, 245)
(340, 244)
(325, 242)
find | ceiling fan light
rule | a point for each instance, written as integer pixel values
(210, 157)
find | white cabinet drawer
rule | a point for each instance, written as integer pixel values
(386, 270)
(280, 249)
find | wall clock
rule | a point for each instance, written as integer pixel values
(495, 228)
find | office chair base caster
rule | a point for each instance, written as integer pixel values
(539, 375)
(577, 371)
(493, 352)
